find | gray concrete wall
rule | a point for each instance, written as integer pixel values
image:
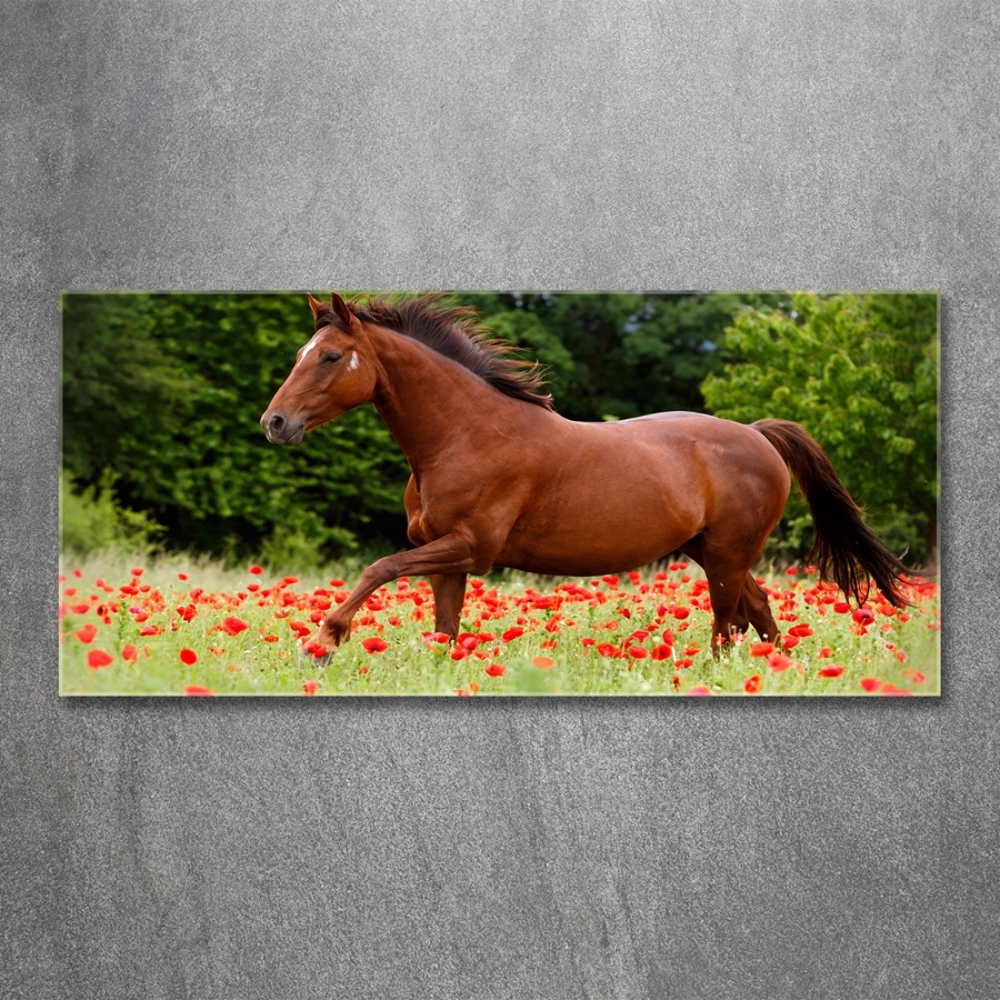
(513, 848)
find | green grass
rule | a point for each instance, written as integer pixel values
(564, 612)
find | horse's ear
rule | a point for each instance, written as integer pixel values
(315, 305)
(342, 311)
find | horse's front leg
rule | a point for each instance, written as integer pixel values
(449, 593)
(452, 555)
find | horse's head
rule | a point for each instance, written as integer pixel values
(332, 374)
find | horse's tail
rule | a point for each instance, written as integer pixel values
(846, 550)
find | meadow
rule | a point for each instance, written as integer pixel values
(179, 626)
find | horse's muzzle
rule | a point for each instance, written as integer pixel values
(281, 431)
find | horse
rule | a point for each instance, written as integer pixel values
(500, 479)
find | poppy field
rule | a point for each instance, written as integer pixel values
(166, 630)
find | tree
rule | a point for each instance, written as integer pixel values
(860, 373)
(619, 354)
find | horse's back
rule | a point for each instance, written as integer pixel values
(639, 488)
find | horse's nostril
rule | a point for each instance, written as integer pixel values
(276, 422)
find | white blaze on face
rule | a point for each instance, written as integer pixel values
(307, 349)
(354, 361)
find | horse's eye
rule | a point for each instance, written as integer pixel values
(330, 359)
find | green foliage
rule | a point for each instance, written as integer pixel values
(859, 372)
(619, 354)
(93, 519)
(165, 391)
(168, 390)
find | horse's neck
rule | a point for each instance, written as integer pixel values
(428, 401)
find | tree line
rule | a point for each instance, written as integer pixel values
(162, 393)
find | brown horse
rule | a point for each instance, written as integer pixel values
(500, 479)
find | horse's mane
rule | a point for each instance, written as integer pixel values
(452, 330)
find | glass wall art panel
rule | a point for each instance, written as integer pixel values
(500, 493)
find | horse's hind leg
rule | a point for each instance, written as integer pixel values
(738, 601)
(449, 592)
(754, 603)
(740, 619)
(725, 585)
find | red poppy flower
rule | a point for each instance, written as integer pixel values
(188, 656)
(668, 637)
(587, 641)
(834, 670)
(700, 692)
(680, 613)
(309, 688)
(256, 570)
(892, 689)
(494, 670)
(607, 649)
(97, 658)
(761, 648)
(512, 633)
(129, 653)
(778, 662)
(233, 626)
(915, 675)
(468, 641)
(685, 662)
(801, 631)
(638, 652)
(870, 684)
(196, 690)
(625, 612)
(789, 642)
(149, 630)
(87, 633)
(375, 645)
(458, 653)
(661, 652)
(182, 576)
(543, 662)
(752, 684)
(841, 607)
(864, 616)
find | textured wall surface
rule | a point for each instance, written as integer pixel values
(565, 848)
